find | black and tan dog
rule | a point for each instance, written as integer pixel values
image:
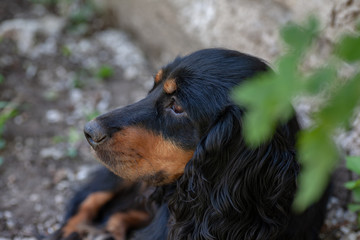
(180, 168)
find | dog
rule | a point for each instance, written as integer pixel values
(178, 167)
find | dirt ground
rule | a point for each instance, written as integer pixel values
(57, 78)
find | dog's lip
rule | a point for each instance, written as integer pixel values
(95, 144)
(181, 114)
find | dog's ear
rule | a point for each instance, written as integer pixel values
(232, 191)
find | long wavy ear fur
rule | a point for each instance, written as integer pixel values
(231, 191)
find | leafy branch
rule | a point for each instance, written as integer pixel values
(268, 99)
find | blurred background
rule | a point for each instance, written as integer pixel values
(63, 62)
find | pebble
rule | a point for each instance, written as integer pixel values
(10, 224)
(38, 207)
(52, 152)
(8, 214)
(54, 116)
(24, 31)
(34, 197)
(84, 172)
(31, 71)
(62, 186)
(59, 199)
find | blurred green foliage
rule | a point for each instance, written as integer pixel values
(268, 99)
(7, 112)
(353, 163)
(2, 79)
(104, 72)
(72, 139)
(78, 13)
(81, 78)
(91, 115)
(65, 50)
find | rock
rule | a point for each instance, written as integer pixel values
(54, 116)
(23, 32)
(51, 152)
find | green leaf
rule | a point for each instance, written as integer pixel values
(66, 52)
(2, 78)
(58, 139)
(7, 114)
(351, 185)
(271, 105)
(297, 37)
(320, 79)
(341, 106)
(348, 48)
(105, 71)
(92, 115)
(353, 164)
(318, 155)
(354, 207)
(1, 161)
(356, 194)
(78, 83)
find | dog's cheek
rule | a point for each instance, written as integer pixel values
(138, 154)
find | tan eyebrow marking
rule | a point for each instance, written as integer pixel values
(170, 86)
(159, 76)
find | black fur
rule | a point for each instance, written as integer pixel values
(228, 190)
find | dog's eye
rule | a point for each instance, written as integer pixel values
(176, 108)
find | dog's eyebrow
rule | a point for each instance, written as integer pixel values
(159, 76)
(170, 86)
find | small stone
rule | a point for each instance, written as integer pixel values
(54, 116)
(51, 152)
(34, 197)
(8, 214)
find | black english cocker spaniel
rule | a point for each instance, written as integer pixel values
(180, 168)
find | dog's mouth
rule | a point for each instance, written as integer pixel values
(135, 153)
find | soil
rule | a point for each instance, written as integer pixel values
(52, 77)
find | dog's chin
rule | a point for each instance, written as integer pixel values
(118, 166)
(130, 171)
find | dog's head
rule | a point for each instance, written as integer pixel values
(154, 139)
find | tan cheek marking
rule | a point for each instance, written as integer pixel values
(87, 211)
(170, 86)
(143, 153)
(119, 223)
(159, 76)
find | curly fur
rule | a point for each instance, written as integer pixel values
(228, 190)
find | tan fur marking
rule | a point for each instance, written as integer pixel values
(159, 76)
(170, 86)
(136, 153)
(87, 211)
(119, 223)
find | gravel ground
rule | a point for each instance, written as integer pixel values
(53, 78)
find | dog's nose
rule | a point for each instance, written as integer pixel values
(94, 133)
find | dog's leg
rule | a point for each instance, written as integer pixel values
(100, 203)
(119, 223)
(88, 210)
